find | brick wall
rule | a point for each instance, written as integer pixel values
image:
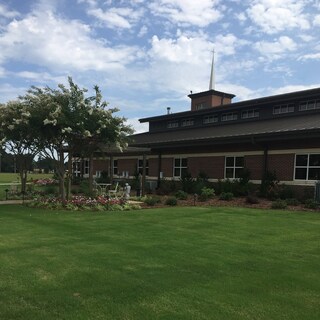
(213, 167)
(255, 165)
(283, 165)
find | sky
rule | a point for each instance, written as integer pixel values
(147, 55)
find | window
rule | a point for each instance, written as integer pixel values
(200, 106)
(247, 114)
(229, 116)
(187, 122)
(173, 124)
(180, 168)
(140, 166)
(309, 105)
(115, 167)
(233, 167)
(284, 108)
(210, 119)
(307, 167)
(76, 168)
(86, 166)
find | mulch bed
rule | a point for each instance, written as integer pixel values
(216, 202)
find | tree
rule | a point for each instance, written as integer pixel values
(16, 136)
(64, 122)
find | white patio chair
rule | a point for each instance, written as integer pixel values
(113, 192)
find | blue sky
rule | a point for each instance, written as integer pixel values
(146, 55)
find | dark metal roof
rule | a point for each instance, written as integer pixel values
(276, 99)
(211, 93)
(302, 123)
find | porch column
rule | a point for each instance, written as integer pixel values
(159, 169)
(144, 164)
(111, 169)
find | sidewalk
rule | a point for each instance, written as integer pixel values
(13, 202)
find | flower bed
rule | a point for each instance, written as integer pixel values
(84, 203)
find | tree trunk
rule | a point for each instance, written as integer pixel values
(61, 174)
(91, 174)
(69, 175)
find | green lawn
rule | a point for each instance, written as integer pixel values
(7, 178)
(174, 263)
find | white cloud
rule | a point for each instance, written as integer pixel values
(9, 92)
(293, 88)
(181, 50)
(227, 45)
(143, 31)
(55, 43)
(276, 48)
(316, 20)
(199, 13)
(274, 16)
(138, 127)
(311, 56)
(113, 18)
(5, 12)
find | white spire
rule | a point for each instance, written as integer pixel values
(211, 85)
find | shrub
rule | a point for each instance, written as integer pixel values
(292, 202)
(188, 183)
(171, 201)
(50, 189)
(168, 186)
(269, 185)
(286, 192)
(227, 196)
(251, 199)
(311, 204)
(279, 204)
(181, 195)
(151, 201)
(206, 193)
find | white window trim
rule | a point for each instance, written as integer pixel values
(234, 166)
(303, 167)
(180, 167)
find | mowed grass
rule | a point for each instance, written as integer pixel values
(172, 263)
(7, 178)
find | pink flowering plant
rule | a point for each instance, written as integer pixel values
(80, 202)
(45, 182)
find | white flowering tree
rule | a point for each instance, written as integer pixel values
(102, 129)
(64, 122)
(16, 136)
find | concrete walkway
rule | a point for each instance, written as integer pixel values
(14, 202)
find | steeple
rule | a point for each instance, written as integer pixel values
(211, 84)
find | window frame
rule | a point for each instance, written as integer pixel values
(307, 167)
(315, 103)
(115, 167)
(284, 108)
(230, 116)
(172, 124)
(180, 167)
(255, 113)
(214, 117)
(234, 167)
(187, 122)
(140, 167)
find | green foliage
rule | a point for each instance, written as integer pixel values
(206, 193)
(252, 199)
(269, 185)
(279, 204)
(171, 201)
(151, 201)
(292, 202)
(311, 204)
(181, 195)
(188, 183)
(227, 196)
(168, 187)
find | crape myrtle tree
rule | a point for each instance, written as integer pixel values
(103, 130)
(17, 136)
(64, 122)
